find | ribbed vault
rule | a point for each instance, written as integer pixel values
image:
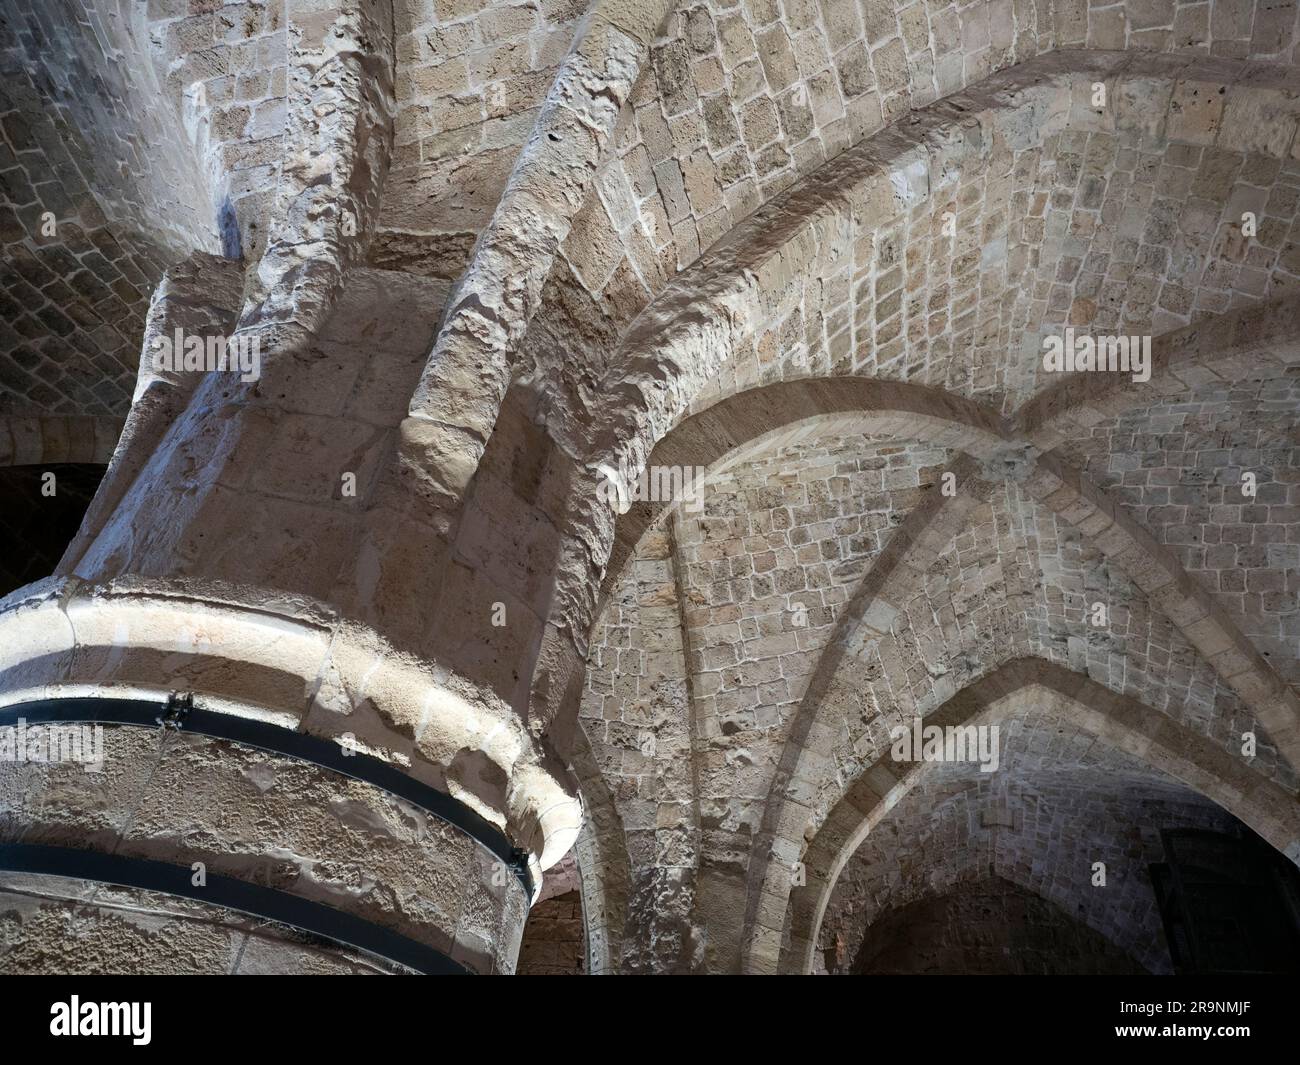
(501, 255)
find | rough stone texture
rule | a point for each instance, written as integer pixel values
(84, 146)
(746, 691)
(224, 65)
(454, 407)
(495, 253)
(73, 298)
(641, 731)
(751, 586)
(99, 94)
(473, 78)
(1178, 469)
(1110, 720)
(53, 926)
(796, 289)
(674, 193)
(851, 271)
(279, 823)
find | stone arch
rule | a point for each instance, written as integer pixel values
(789, 291)
(906, 605)
(1119, 720)
(1209, 520)
(922, 536)
(1033, 934)
(926, 533)
(594, 542)
(592, 552)
(1249, 340)
(770, 416)
(913, 550)
(603, 865)
(1053, 781)
(679, 180)
(699, 341)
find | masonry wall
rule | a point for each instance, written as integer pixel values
(1184, 467)
(553, 943)
(741, 595)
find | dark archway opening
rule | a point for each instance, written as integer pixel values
(1230, 903)
(987, 927)
(41, 508)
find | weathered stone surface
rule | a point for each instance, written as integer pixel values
(651, 415)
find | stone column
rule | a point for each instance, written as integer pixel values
(257, 555)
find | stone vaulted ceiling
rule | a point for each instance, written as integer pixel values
(804, 252)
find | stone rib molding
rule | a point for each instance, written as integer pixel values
(200, 297)
(598, 543)
(340, 127)
(688, 339)
(603, 863)
(912, 550)
(912, 412)
(706, 437)
(1223, 348)
(688, 336)
(1019, 34)
(455, 405)
(770, 417)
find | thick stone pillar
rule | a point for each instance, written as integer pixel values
(347, 768)
(387, 877)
